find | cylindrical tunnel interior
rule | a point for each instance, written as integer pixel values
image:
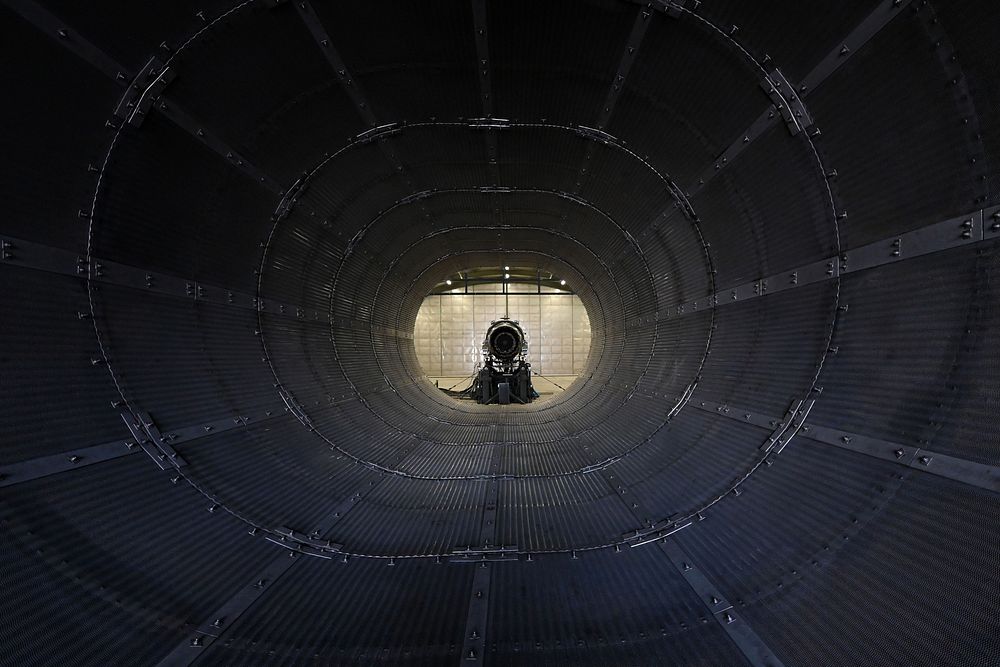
(219, 446)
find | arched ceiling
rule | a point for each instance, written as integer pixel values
(223, 217)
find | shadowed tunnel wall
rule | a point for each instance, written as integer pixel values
(220, 220)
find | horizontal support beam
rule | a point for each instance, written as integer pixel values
(954, 468)
(43, 466)
(967, 229)
(30, 255)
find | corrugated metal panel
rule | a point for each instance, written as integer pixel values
(361, 612)
(893, 175)
(887, 595)
(98, 564)
(602, 608)
(56, 400)
(830, 556)
(524, 33)
(817, 29)
(677, 115)
(927, 381)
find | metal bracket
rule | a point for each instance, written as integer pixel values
(655, 533)
(142, 80)
(293, 406)
(594, 134)
(148, 436)
(24, 471)
(311, 544)
(488, 123)
(678, 7)
(490, 554)
(789, 427)
(787, 102)
(782, 431)
(379, 132)
(150, 95)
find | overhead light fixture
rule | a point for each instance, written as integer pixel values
(562, 282)
(506, 276)
(447, 282)
(506, 268)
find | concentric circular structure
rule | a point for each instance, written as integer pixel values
(505, 339)
(222, 217)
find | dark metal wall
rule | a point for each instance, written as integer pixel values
(221, 218)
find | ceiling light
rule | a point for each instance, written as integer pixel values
(447, 282)
(506, 276)
(562, 282)
(506, 268)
